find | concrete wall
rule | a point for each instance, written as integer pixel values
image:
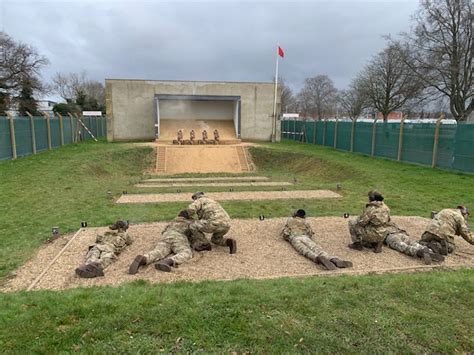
(197, 110)
(131, 112)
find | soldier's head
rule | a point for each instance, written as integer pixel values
(183, 214)
(300, 214)
(464, 211)
(197, 195)
(120, 226)
(374, 195)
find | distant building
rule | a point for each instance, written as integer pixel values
(45, 106)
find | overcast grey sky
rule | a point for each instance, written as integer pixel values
(197, 40)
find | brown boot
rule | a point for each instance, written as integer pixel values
(341, 263)
(140, 260)
(165, 265)
(378, 247)
(89, 271)
(325, 262)
(203, 247)
(425, 255)
(356, 246)
(232, 244)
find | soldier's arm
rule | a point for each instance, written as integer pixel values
(286, 231)
(365, 217)
(194, 207)
(129, 239)
(464, 231)
(309, 230)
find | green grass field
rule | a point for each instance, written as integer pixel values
(426, 312)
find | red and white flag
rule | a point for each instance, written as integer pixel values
(280, 52)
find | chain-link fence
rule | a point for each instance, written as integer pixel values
(438, 144)
(21, 136)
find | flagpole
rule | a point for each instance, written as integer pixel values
(275, 98)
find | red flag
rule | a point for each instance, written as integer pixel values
(280, 52)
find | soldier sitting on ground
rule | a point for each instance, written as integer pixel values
(174, 240)
(204, 137)
(180, 138)
(213, 219)
(216, 136)
(370, 228)
(398, 239)
(439, 235)
(299, 234)
(105, 250)
(192, 136)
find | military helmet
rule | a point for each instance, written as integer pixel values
(196, 195)
(120, 225)
(300, 213)
(374, 195)
(184, 214)
(464, 210)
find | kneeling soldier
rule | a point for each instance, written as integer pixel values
(174, 240)
(299, 234)
(106, 248)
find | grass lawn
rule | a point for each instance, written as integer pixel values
(427, 312)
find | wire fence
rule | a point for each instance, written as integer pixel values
(22, 136)
(438, 144)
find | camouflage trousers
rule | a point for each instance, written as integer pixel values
(437, 244)
(401, 242)
(103, 254)
(216, 228)
(359, 234)
(307, 247)
(177, 244)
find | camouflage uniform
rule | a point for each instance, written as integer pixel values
(174, 240)
(371, 225)
(444, 226)
(299, 234)
(399, 240)
(107, 246)
(212, 219)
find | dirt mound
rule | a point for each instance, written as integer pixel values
(262, 253)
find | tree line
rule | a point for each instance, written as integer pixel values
(21, 82)
(432, 63)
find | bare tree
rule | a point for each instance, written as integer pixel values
(19, 63)
(317, 96)
(74, 86)
(439, 51)
(287, 98)
(354, 100)
(387, 82)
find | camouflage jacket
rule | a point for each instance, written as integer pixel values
(448, 223)
(375, 219)
(296, 226)
(117, 240)
(178, 227)
(209, 210)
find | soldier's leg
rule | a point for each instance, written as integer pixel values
(198, 239)
(402, 243)
(93, 255)
(218, 234)
(93, 265)
(182, 250)
(161, 250)
(307, 247)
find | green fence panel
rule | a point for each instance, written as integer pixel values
(55, 131)
(310, 132)
(344, 130)
(386, 140)
(23, 136)
(299, 128)
(41, 134)
(418, 139)
(5, 142)
(330, 125)
(464, 147)
(363, 138)
(67, 130)
(319, 132)
(445, 154)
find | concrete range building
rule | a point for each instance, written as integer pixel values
(157, 109)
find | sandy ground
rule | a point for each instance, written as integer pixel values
(209, 179)
(262, 254)
(230, 196)
(169, 129)
(215, 184)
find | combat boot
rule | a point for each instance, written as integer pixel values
(165, 265)
(356, 246)
(378, 247)
(425, 255)
(341, 263)
(140, 260)
(203, 247)
(325, 262)
(232, 244)
(89, 271)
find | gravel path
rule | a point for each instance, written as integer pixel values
(229, 196)
(210, 179)
(262, 254)
(217, 184)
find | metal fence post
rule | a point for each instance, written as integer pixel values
(353, 133)
(97, 127)
(324, 131)
(436, 140)
(12, 135)
(374, 131)
(33, 132)
(71, 127)
(314, 132)
(48, 129)
(61, 129)
(400, 138)
(335, 132)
